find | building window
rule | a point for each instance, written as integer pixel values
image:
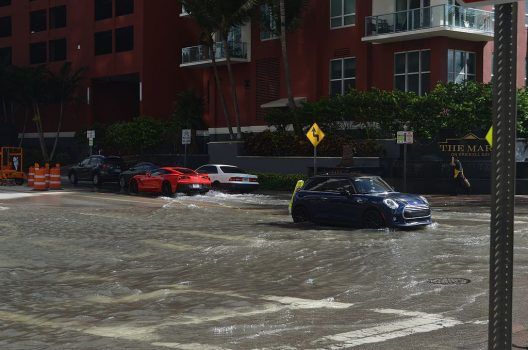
(342, 13)
(103, 9)
(124, 7)
(6, 56)
(124, 38)
(5, 3)
(461, 66)
(103, 43)
(37, 21)
(5, 27)
(57, 17)
(268, 24)
(57, 50)
(412, 71)
(342, 75)
(37, 53)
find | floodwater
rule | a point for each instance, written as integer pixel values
(90, 270)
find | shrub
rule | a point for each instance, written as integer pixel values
(279, 182)
(136, 137)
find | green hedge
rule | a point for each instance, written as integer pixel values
(279, 182)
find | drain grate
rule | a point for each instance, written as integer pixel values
(449, 281)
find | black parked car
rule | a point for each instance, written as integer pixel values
(138, 169)
(96, 169)
(366, 201)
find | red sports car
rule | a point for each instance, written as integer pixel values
(169, 180)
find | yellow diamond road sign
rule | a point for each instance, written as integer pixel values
(489, 136)
(315, 135)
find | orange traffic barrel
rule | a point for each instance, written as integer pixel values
(55, 178)
(40, 180)
(31, 176)
(47, 174)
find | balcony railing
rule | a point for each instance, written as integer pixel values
(202, 53)
(447, 16)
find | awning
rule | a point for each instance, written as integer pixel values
(283, 102)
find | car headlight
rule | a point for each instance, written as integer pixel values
(424, 199)
(391, 203)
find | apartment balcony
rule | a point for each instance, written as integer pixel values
(200, 55)
(441, 20)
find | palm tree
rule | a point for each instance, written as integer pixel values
(204, 13)
(288, 15)
(37, 90)
(233, 13)
(63, 86)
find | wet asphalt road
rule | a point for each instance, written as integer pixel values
(95, 270)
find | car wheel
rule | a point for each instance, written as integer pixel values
(96, 180)
(166, 189)
(215, 185)
(19, 182)
(73, 178)
(134, 189)
(300, 214)
(372, 219)
(122, 182)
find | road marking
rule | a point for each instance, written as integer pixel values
(19, 195)
(419, 322)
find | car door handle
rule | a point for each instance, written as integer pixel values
(360, 201)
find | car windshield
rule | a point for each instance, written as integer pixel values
(366, 185)
(232, 170)
(113, 161)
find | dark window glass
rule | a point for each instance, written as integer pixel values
(208, 170)
(85, 162)
(335, 185)
(184, 170)
(371, 185)
(57, 17)
(37, 53)
(96, 161)
(5, 27)
(103, 42)
(57, 50)
(232, 170)
(6, 54)
(124, 7)
(426, 82)
(103, 9)
(124, 39)
(5, 3)
(37, 21)
(399, 63)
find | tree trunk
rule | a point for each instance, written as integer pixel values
(59, 126)
(38, 124)
(220, 93)
(26, 112)
(284, 48)
(233, 87)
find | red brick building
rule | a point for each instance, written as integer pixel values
(141, 53)
(131, 49)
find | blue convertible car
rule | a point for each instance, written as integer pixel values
(366, 201)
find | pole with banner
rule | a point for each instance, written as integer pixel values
(186, 140)
(503, 137)
(315, 135)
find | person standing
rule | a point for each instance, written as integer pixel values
(460, 183)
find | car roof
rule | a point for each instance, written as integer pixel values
(232, 166)
(347, 175)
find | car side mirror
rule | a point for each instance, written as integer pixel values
(346, 193)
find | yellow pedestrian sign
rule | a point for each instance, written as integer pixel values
(315, 135)
(489, 136)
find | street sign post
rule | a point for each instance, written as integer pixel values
(503, 137)
(186, 140)
(405, 138)
(315, 135)
(90, 135)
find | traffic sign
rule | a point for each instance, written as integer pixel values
(478, 3)
(315, 135)
(90, 134)
(405, 138)
(489, 136)
(186, 136)
(90, 142)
